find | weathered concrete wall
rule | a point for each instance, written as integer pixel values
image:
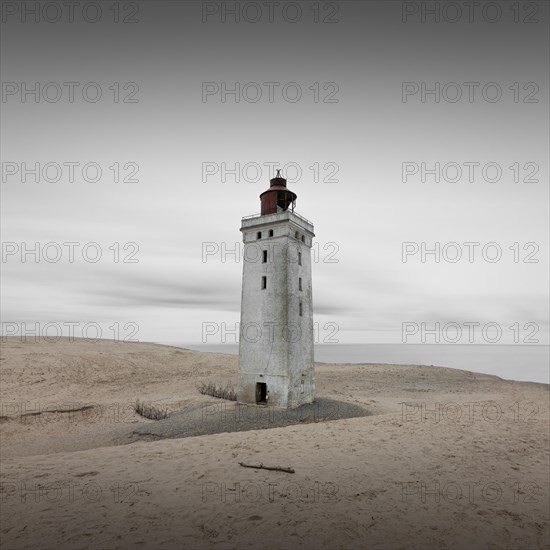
(276, 342)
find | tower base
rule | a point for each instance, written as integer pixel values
(275, 391)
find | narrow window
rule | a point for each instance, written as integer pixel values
(271, 232)
(301, 310)
(264, 283)
(264, 256)
(259, 235)
(296, 235)
(300, 283)
(299, 258)
(303, 239)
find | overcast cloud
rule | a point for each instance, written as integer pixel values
(174, 223)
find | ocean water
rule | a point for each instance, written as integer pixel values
(529, 363)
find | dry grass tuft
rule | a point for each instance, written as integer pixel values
(211, 388)
(150, 411)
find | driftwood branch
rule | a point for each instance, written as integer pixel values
(262, 467)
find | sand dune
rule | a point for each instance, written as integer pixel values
(445, 459)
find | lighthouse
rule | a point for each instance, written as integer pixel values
(276, 329)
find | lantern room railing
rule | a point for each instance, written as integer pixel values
(289, 211)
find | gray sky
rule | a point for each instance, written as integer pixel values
(360, 139)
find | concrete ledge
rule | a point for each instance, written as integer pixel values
(268, 219)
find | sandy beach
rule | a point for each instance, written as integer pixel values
(443, 458)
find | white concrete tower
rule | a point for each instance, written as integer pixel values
(276, 329)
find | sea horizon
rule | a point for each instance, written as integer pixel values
(519, 362)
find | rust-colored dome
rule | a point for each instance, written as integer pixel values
(277, 196)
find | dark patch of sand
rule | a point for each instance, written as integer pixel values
(228, 416)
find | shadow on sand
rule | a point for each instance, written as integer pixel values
(227, 416)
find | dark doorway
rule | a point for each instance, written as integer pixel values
(261, 393)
